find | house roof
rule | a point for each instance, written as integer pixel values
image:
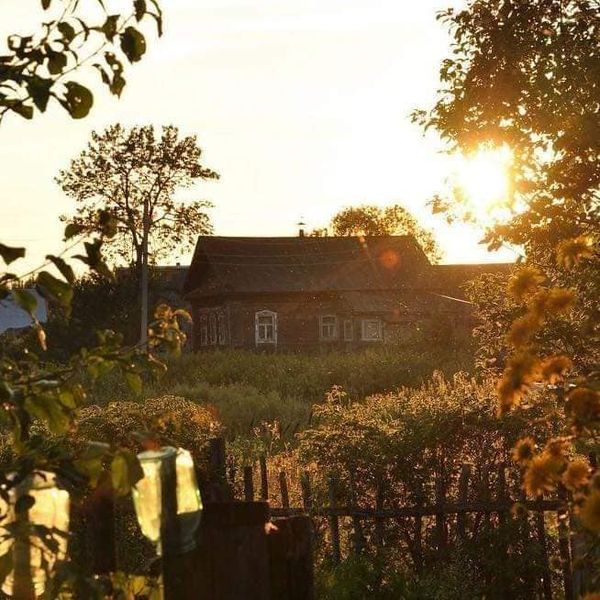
(451, 279)
(307, 264)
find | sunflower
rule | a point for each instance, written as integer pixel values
(576, 475)
(589, 513)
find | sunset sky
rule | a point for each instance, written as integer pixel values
(302, 106)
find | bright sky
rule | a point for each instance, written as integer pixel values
(302, 106)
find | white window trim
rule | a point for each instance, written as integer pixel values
(379, 337)
(222, 329)
(348, 330)
(265, 313)
(335, 327)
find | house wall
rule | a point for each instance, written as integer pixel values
(298, 323)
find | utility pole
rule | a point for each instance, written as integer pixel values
(144, 275)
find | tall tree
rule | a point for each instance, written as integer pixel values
(392, 220)
(526, 74)
(128, 171)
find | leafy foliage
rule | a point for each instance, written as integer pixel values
(40, 67)
(125, 170)
(374, 221)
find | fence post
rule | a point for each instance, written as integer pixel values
(334, 525)
(440, 518)
(564, 546)
(306, 491)
(463, 497)
(283, 486)
(248, 484)
(264, 479)
(380, 521)
(541, 534)
(357, 525)
(218, 490)
(418, 531)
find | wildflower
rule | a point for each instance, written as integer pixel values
(523, 451)
(584, 405)
(576, 475)
(571, 252)
(524, 283)
(553, 302)
(521, 371)
(522, 330)
(589, 513)
(557, 447)
(553, 369)
(541, 474)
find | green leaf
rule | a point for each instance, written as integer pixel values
(10, 254)
(57, 61)
(133, 44)
(126, 471)
(73, 229)
(25, 299)
(22, 109)
(109, 28)
(78, 100)
(134, 381)
(140, 9)
(67, 31)
(65, 269)
(24, 503)
(6, 566)
(39, 90)
(48, 408)
(55, 288)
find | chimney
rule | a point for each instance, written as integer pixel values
(301, 226)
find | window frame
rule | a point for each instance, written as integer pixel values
(364, 325)
(257, 327)
(348, 330)
(333, 325)
(222, 329)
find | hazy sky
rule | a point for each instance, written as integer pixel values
(302, 106)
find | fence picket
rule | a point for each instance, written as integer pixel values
(264, 479)
(248, 484)
(463, 496)
(283, 488)
(334, 525)
(359, 539)
(306, 491)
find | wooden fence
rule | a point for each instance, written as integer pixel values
(433, 521)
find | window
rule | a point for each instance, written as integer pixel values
(222, 323)
(212, 328)
(372, 330)
(328, 327)
(265, 323)
(348, 330)
(203, 330)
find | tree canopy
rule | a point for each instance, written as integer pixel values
(371, 220)
(121, 169)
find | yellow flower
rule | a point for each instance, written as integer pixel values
(554, 368)
(557, 447)
(583, 404)
(522, 330)
(589, 513)
(553, 302)
(541, 474)
(523, 451)
(571, 252)
(524, 283)
(576, 475)
(521, 371)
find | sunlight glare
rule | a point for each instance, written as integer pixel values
(484, 183)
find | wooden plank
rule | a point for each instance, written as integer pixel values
(334, 525)
(379, 521)
(264, 479)
(427, 510)
(306, 491)
(248, 484)
(441, 532)
(542, 541)
(564, 547)
(359, 538)
(283, 487)
(463, 497)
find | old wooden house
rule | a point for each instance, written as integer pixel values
(306, 293)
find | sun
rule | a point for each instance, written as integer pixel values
(482, 181)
